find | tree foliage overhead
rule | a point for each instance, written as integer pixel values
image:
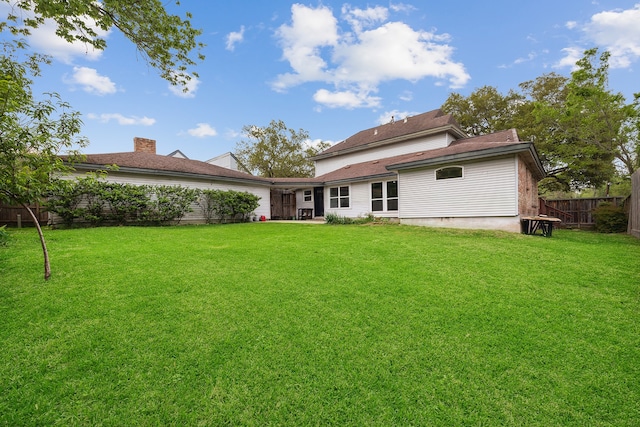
(585, 133)
(165, 41)
(276, 151)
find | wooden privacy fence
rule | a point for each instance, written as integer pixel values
(576, 213)
(634, 205)
(9, 215)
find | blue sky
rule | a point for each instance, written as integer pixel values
(331, 68)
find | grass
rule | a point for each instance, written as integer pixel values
(289, 324)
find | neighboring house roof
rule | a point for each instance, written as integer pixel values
(403, 129)
(223, 158)
(140, 162)
(179, 154)
(485, 146)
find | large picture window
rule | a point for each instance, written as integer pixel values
(339, 197)
(449, 172)
(384, 196)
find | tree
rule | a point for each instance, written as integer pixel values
(33, 133)
(585, 134)
(592, 136)
(164, 41)
(484, 111)
(278, 151)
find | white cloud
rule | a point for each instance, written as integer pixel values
(394, 115)
(355, 62)
(311, 30)
(44, 39)
(91, 81)
(571, 56)
(315, 143)
(406, 96)
(202, 130)
(364, 18)
(530, 57)
(234, 38)
(191, 88)
(617, 31)
(345, 99)
(232, 134)
(122, 120)
(401, 7)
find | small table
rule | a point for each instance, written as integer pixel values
(531, 224)
(305, 213)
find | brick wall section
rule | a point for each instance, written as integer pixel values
(144, 145)
(527, 191)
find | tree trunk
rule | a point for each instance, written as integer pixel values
(47, 265)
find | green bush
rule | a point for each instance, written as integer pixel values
(94, 201)
(334, 219)
(229, 205)
(4, 236)
(167, 203)
(610, 219)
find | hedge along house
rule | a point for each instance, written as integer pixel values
(424, 170)
(144, 167)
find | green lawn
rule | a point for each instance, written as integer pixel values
(296, 324)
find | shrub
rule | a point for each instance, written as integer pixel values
(610, 219)
(220, 205)
(64, 201)
(94, 201)
(167, 203)
(332, 218)
(4, 236)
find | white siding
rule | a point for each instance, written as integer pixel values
(301, 204)
(488, 188)
(225, 160)
(413, 146)
(359, 201)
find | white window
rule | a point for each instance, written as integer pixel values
(449, 172)
(339, 197)
(384, 196)
(306, 195)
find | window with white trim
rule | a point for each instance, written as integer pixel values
(384, 196)
(339, 197)
(449, 172)
(307, 196)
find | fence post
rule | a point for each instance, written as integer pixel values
(19, 220)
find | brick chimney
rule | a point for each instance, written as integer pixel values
(144, 145)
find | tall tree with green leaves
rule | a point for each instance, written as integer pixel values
(276, 151)
(34, 132)
(484, 111)
(585, 133)
(590, 133)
